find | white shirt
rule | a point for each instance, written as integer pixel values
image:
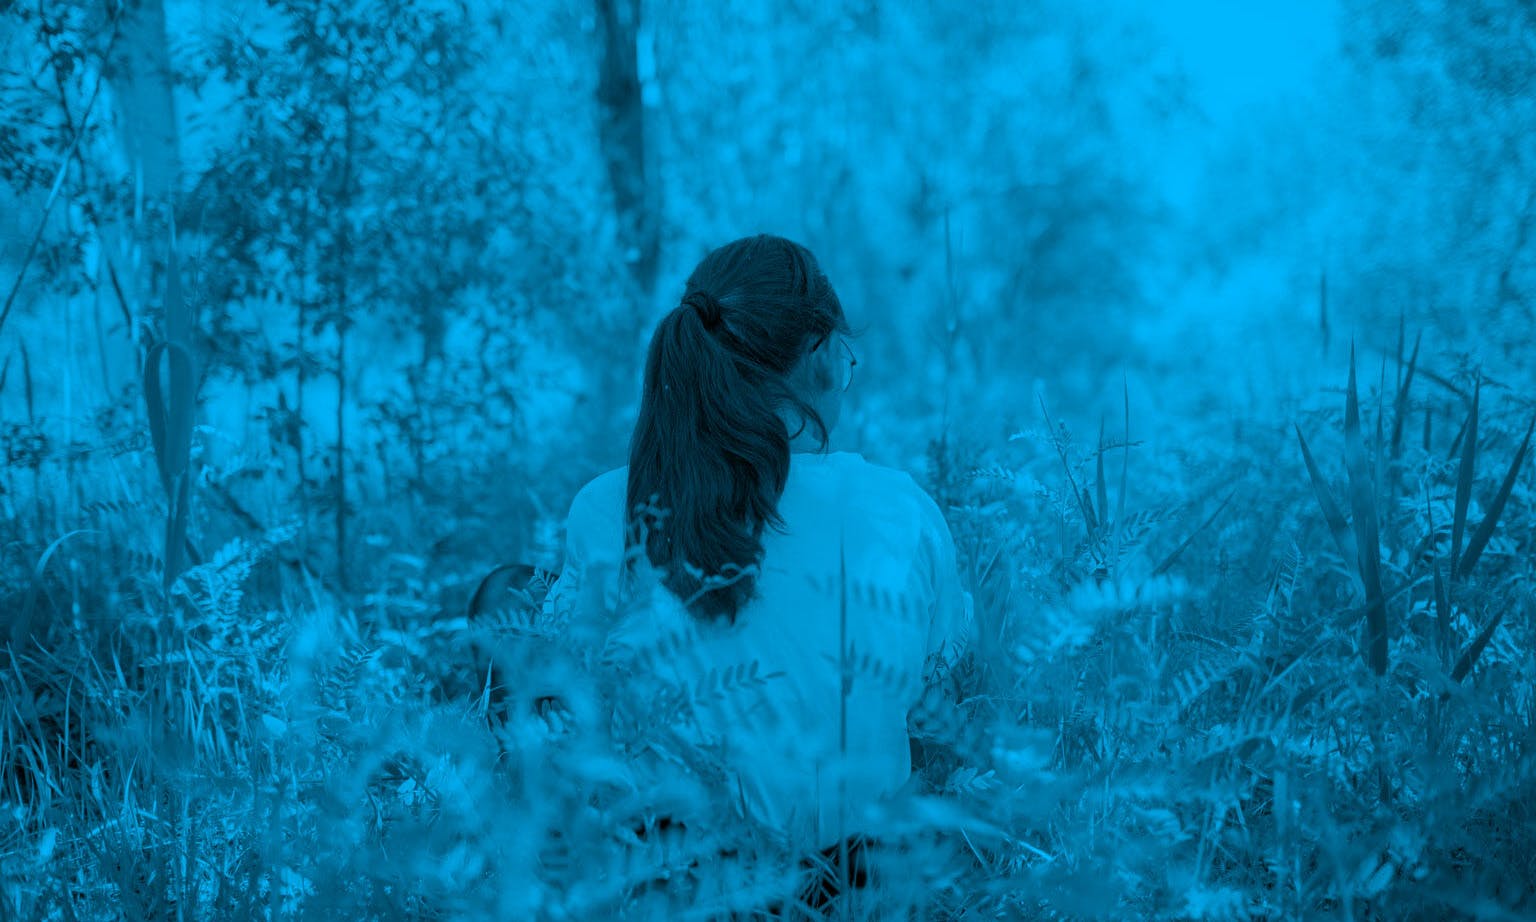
(765, 689)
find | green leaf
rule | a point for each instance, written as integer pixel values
(1099, 486)
(170, 430)
(1125, 454)
(26, 374)
(1362, 497)
(1464, 481)
(1442, 617)
(1169, 560)
(1337, 526)
(1485, 528)
(1475, 649)
(1058, 441)
(1400, 406)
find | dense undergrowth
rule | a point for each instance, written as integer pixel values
(1297, 689)
(272, 412)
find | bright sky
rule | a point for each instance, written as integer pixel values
(1238, 55)
(1249, 51)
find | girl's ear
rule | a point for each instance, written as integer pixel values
(818, 369)
(820, 372)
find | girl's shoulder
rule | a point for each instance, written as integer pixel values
(602, 494)
(889, 491)
(855, 479)
(614, 481)
(877, 478)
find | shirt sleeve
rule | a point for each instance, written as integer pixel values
(576, 599)
(951, 628)
(568, 584)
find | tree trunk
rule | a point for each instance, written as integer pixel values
(140, 74)
(142, 78)
(619, 92)
(343, 318)
(144, 97)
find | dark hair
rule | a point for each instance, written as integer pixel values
(710, 454)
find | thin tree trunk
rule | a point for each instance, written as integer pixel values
(144, 96)
(344, 245)
(301, 346)
(619, 92)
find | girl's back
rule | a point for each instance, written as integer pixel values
(864, 564)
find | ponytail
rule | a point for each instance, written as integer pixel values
(709, 457)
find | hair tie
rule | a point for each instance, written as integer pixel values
(704, 304)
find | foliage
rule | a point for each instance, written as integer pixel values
(1239, 656)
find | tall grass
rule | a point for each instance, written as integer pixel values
(1200, 705)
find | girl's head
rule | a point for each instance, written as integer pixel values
(753, 355)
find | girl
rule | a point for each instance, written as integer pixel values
(803, 597)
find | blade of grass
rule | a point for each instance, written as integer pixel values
(1456, 440)
(1125, 454)
(1362, 497)
(1061, 452)
(1346, 618)
(1444, 382)
(1402, 329)
(1469, 656)
(1442, 598)
(21, 628)
(1337, 526)
(129, 326)
(1400, 408)
(26, 382)
(164, 437)
(170, 414)
(1169, 560)
(1442, 618)
(1464, 481)
(1479, 539)
(1379, 445)
(1100, 487)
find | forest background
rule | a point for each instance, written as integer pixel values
(1211, 332)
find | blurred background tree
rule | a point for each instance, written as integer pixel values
(424, 243)
(1456, 81)
(1403, 175)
